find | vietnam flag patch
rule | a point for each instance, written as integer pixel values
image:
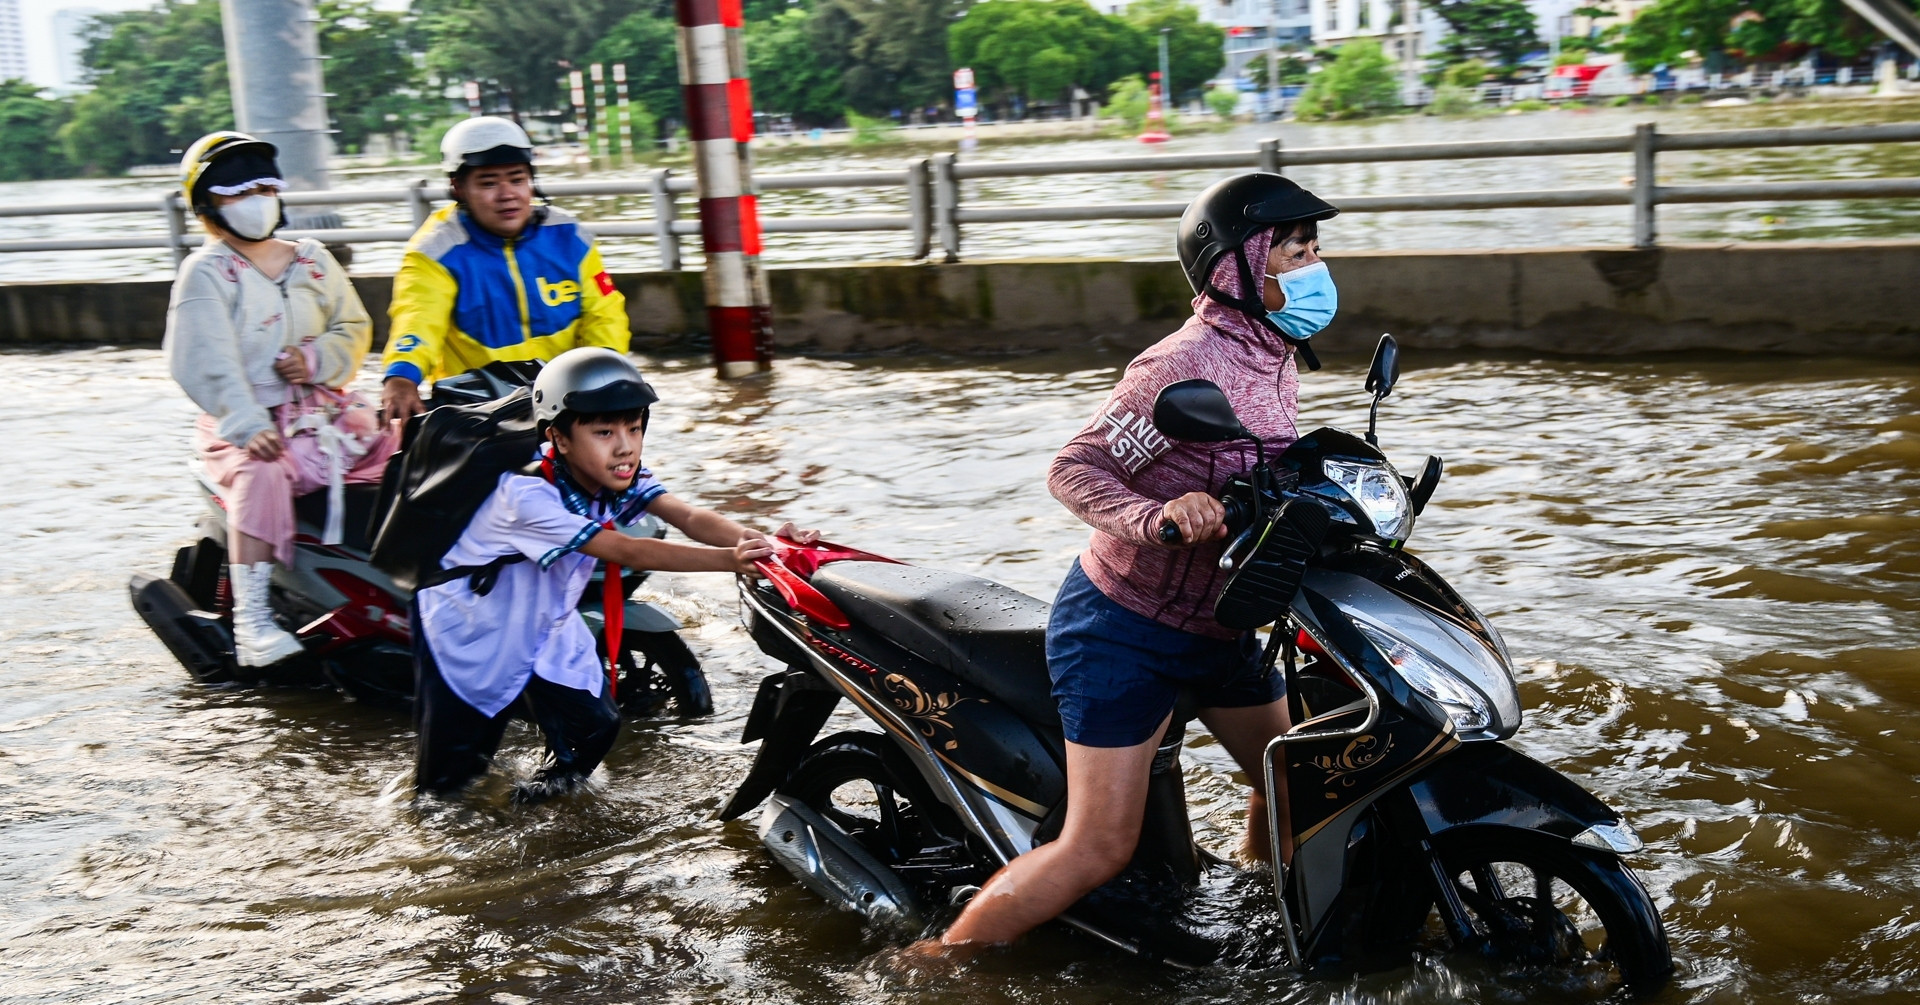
(605, 282)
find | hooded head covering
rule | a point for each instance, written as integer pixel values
(1231, 321)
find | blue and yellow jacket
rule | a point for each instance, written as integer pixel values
(465, 297)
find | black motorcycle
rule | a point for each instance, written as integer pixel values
(352, 618)
(1414, 827)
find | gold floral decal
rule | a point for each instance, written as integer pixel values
(929, 711)
(1363, 753)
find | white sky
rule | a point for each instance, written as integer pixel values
(36, 18)
(37, 21)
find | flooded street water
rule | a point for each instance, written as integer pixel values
(1708, 570)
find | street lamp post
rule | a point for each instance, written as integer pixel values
(1166, 74)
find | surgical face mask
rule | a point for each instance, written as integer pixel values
(254, 218)
(1311, 300)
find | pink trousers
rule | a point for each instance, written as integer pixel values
(259, 494)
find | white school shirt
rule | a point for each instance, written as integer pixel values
(488, 647)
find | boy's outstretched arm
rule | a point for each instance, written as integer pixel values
(708, 527)
(663, 556)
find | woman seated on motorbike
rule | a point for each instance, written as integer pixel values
(262, 334)
(1133, 624)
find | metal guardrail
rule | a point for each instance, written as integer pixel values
(935, 213)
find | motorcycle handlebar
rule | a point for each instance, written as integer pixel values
(1237, 519)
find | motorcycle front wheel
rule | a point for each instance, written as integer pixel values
(1547, 912)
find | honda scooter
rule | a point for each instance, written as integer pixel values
(352, 618)
(1414, 826)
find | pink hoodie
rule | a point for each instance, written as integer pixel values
(1118, 472)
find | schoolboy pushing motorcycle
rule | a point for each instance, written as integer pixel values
(500, 624)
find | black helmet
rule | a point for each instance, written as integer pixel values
(1224, 217)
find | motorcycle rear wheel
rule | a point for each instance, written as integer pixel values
(657, 667)
(859, 782)
(1546, 911)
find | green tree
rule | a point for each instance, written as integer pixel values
(791, 75)
(160, 81)
(1037, 49)
(522, 49)
(29, 129)
(1456, 89)
(1194, 47)
(1731, 32)
(1293, 70)
(370, 71)
(1467, 75)
(1497, 32)
(1358, 82)
(1223, 99)
(1128, 101)
(896, 50)
(647, 43)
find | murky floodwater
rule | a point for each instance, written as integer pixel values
(1708, 569)
(1608, 225)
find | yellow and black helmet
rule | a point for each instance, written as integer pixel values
(226, 163)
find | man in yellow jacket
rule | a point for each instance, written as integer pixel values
(493, 277)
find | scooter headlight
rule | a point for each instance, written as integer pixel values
(1464, 703)
(1376, 488)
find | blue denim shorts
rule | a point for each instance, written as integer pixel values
(1116, 674)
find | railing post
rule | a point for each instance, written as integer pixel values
(663, 217)
(1645, 142)
(174, 208)
(420, 203)
(919, 209)
(1270, 156)
(946, 203)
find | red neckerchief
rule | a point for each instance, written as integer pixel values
(613, 602)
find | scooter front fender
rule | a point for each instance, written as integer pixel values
(1491, 784)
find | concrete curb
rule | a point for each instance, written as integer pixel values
(1851, 297)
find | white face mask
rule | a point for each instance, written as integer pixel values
(254, 218)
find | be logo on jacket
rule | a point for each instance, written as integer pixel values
(465, 297)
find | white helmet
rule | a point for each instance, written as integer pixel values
(484, 141)
(590, 380)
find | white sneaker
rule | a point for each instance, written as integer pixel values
(257, 640)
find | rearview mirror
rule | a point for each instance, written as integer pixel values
(1385, 371)
(1197, 411)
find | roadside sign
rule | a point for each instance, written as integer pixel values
(963, 79)
(966, 103)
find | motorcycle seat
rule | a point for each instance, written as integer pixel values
(988, 635)
(310, 512)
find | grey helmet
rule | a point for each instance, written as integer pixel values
(589, 380)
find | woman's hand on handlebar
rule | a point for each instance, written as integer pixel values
(1199, 517)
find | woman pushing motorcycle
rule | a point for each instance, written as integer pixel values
(262, 334)
(1132, 626)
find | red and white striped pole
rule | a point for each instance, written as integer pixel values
(713, 79)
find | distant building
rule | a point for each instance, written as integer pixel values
(13, 42)
(69, 43)
(1406, 29)
(1255, 26)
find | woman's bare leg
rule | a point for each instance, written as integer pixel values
(1245, 733)
(1107, 797)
